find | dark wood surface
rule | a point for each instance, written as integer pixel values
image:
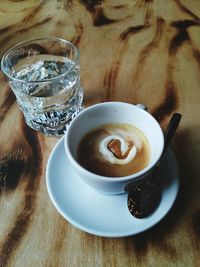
(144, 51)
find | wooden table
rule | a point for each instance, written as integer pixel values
(139, 51)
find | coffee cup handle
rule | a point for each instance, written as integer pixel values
(142, 107)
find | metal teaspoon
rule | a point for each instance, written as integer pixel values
(145, 198)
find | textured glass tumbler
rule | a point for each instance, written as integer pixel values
(44, 74)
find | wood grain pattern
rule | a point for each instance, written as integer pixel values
(137, 51)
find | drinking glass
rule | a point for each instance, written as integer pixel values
(44, 75)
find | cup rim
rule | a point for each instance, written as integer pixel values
(103, 177)
(18, 45)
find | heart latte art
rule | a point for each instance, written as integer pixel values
(114, 150)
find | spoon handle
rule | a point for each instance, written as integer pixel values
(171, 129)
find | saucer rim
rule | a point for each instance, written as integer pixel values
(78, 225)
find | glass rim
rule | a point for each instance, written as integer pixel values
(21, 44)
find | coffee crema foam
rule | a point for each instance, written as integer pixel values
(114, 150)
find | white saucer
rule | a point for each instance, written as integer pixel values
(98, 214)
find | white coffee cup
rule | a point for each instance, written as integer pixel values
(106, 113)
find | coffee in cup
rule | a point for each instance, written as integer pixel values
(114, 150)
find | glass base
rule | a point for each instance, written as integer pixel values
(52, 131)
